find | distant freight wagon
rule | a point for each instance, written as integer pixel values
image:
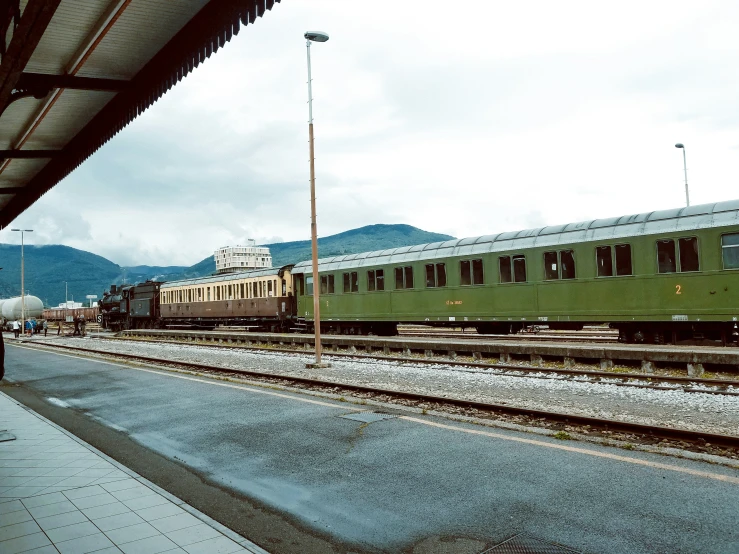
(69, 314)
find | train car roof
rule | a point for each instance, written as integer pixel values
(251, 274)
(719, 214)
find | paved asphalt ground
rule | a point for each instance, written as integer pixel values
(288, 472)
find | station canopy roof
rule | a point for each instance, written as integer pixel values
(73, 73)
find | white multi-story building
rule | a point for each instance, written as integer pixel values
(241, 258)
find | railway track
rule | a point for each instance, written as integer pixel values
(646, 432)
(729, 387)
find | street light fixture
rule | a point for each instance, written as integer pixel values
(685, 169)
(23, 284)
(314, 36)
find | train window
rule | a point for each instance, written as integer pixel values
(375, 279)
(471, 272)
(327, 284)
(230, 292)
(666, 256)
(567, 263)
(208, 294)
(441, 275)
(430, 277)
(404, 277)
(347, 283)
(478, 277)
(241, 290)
(506, 276)
(623, 259)
(465, 273)
(551, 267)
(355, 281)
(308, 285)
(435, 275)
(603, 261)
(688, 248)
(270, 290)
(730, 251)
(519, 268)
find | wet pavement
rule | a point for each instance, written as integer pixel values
(310, 480)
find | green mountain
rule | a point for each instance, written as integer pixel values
(48, 268)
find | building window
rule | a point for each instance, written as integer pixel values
(435, 275)
(730, 251)
(404, 277)
(327, 284)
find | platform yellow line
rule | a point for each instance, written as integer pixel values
(586, 451)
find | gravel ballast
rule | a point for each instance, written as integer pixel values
(579, 396)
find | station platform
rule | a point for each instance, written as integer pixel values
(319, 473)
(58, 494)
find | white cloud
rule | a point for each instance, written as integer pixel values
(463, 119)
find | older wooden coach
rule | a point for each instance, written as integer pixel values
(262, 298)
(658, 277)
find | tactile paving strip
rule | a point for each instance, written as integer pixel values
(524, 544)
(368, 417)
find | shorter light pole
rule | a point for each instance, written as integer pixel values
(23, 284)
(685, 169)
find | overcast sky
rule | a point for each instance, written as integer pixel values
(465, 118)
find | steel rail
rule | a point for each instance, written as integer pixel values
(501, 366)
(655, 431)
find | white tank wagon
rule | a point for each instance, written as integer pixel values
(11, 308)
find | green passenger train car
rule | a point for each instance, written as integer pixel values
(658, 277)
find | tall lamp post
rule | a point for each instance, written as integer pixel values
(23, 283)
(314, 36)
(685, 169)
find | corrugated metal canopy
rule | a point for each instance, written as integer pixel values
(75, 72)
(666, 221)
